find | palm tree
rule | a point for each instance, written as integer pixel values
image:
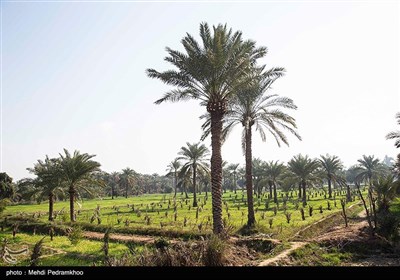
(233, 168)
(369, 168)
(331, 165)
(113, 180)
(173, 168)
(194, 155)
(395, 134)
(385, 188)
(77, 169)
(305, 171)
(48, 182)
(184, 182)
(274, 171)
(127, 179)
(251, 108)
(211, 73)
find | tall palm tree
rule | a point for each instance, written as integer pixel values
(173, 168)
(273, 171)
(211, 73)
(195, 156)
(305, 171)
(76, 169)
(233, 168)
(395, 134)
(331, 165)
(251, 108)
(48, 182)
(127, 179)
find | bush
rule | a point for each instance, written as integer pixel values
(388, 226)
(75, 235)
(214, 253)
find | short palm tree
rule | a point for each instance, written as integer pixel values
(127, 179)
(252, 108)
(194, 156)
(368, 169)
(113, 181)
(331, 165)
(305, 171)
(173, 168)
(77, 169)
(385, 187)
(48, 182)
(273, 171)
(211, 73)
(395, 134)
(233, 168)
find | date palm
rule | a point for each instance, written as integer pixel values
(127, 179)
(113, 180)
(210, 72)
(194, 156)
(233, 168)
(273, 171)
(252, 108)
(331, 165)
(47, 183)
(368, 169)
(173, 168)
(395, 134)
(305, 171)
(76, 170)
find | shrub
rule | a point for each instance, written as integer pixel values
(75, 235)
(214, 252)
(270, 221)
(37, 252)
(288, 216)
(320, 209)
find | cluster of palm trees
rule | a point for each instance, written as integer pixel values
(65, 176)
(224, 76)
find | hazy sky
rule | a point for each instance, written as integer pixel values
(74, 77)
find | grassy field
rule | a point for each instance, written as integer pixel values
(162, 212)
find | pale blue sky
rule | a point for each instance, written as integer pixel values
(74, 77)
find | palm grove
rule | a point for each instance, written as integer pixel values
(223, 74)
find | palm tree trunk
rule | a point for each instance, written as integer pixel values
(249, 180)
(216, 168)
(275, 193)
(348, 193)
(304, 193)
(194, 187)
(112, 190)
(329, 186)
(175, 178)
(299, 189)
(126, 191)
(234, 182)
(51, 206)
(270, 190)
(71, 202)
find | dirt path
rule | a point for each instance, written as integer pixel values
(283, 254)
(338, 233)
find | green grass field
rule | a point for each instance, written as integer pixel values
(162, 212)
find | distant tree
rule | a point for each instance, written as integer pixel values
(76, 170)
(331, 165)
(274, 171)
(305, 171)
(194, 156)
(173, 168)
(233, 168)
(369, 168)
(48, 183)
(127, 179)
